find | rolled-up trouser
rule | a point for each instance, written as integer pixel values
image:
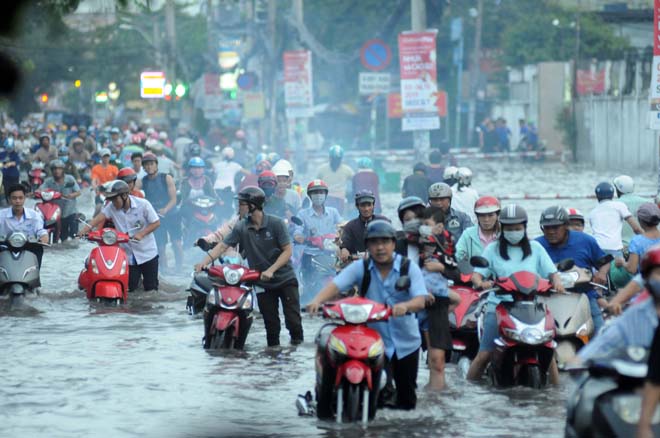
(269, 308)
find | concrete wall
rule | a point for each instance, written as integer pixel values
(613, 134)
(552, 82)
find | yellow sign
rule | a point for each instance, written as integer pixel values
(253, 106)
(152, 84)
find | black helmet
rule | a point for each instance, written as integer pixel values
(513, 214)
(554, 215)
(57, 163)
(604, 190)
(114, 188)
(408, 203)
(379, 229)
(194, 150)
(363, 195)
(252, 195)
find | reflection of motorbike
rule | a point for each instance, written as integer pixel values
(350, 360)
(50, 212)
(607, 401)
(19, 267)
(199, 218)
(318, 265)
(105, 275)
(37, 175)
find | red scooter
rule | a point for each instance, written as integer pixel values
(229, 305)
(200, 220)
(105, 275)
(463, 320)
(349, 360)
(37, 174)
(322, 265)
(50, 211)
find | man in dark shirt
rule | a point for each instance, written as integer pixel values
(416, 184)
(267, 244)
(352, 238)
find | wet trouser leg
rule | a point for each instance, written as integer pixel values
(268, 306)
(149, 273)
(404, 373)
(291, 306)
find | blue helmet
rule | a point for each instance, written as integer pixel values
(336, 151)
(604, 190)
(64, 150)
(365, 163)
(261, 157)
(196, 162)
(273, 157)
(9, 143)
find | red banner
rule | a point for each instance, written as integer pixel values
(656, 28)
(298, 96)
(590, 82)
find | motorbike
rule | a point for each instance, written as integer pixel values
(105, 274)
(463, 320)
(50, 211)
(37, 175)
(229, 304)
(525, 347)
(199, 218)
(606, 401)
(349, 360)
(19, 267)
(322, 265)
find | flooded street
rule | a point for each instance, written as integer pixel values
(140, 370)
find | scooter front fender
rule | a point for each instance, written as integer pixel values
(225, 319)
(355, 372)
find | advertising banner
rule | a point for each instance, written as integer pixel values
(298, 90)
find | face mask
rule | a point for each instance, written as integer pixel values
(412, 226)
(654, 287)
(514, 237)
(318, 199)
(268, 191)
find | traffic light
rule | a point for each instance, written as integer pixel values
(77, 83)
(44, 98)
(180, 90)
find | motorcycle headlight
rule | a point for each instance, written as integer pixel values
(337, 345)
(17, 240)
(512, 334)
(47, 196)
(629, 409)
(109, 237)
(377, 348)
(232, 276)
(247, 304)
(532, 336)
(356, 314)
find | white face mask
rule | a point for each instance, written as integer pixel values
(514, 237)
(318, 199)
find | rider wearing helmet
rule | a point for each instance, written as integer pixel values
(607, 218)
(352, 236)
(337, 175)
(625, 188)
(103, 173)
(416, 184)
(575, 219)
(475, 238)
(265, 240)
(159, 189)
(138, 218)
(67, 186)
(401, 332)
(284, 172)
(274, 205)
(512, 252)
(440, 195)
(128, 175)
(366, 179)
(464, 195)
(410, 211)
(562, 243)
(45, 153)
(226, 171)
(317, 220)
(197, 184)
(450, 175)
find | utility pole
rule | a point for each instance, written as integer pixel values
(272, 69)
(170, 72)
(575, 77)
(421, 139)
(474, 70)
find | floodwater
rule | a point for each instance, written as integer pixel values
(72, 369)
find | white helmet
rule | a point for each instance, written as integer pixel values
(464, 176)
(624, 184)
(440, 190)
(450, 172)
(228, 152)
(282, 168)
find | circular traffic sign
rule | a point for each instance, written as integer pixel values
(247, 81)
(375, 55)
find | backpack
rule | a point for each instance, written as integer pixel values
(366, 278)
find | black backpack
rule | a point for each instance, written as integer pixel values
(366, 278)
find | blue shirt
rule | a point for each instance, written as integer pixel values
(400, 334)
(317, 224)
(580, 247)
(635, 327)
(31, 223)
(639, 244)
(436, 283)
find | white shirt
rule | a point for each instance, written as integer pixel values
(140, 214)
(606, 221)
(31, 223)
(464, 200)
(226, 171)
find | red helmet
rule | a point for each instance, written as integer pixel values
(149, 156)
(574, 213)
(487, 204)
(317, 185)
(650, 260)
(127, 174)
(267, 179)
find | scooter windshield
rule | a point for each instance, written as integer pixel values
(527, 312)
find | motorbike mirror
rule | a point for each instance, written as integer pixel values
(296, 220)
(403, 283)
(565, 265)
(479, 262)
(204, 245)
(607, 258)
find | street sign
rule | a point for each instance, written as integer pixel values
(152, 84)
(298, 87)
(374, 83)
(375, 55)
(247, 81)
